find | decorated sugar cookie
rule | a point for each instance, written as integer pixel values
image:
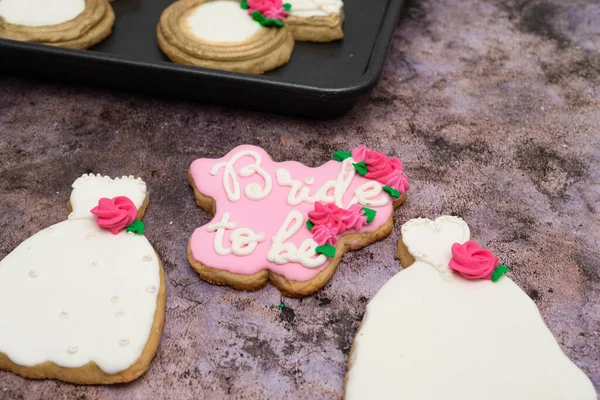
(453, 326)
(250, 37)
(316, 20)
(77, 24)
(288, 223)
(84, 300)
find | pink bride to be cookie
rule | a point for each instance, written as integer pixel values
(288, 223)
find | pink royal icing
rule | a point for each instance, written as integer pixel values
(473, 262)
(272, 9)
(327, 214)
(354, 218)
(325, 234)
(115, 214)
(386, 170)
(262, 207)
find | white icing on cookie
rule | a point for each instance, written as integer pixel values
(424, 337)
(88, 189)
(92, 297)
(419, 234)
(315, 8)
(222, 21)
(253, 191)
(40, 12)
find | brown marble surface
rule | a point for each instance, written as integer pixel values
(492, 105)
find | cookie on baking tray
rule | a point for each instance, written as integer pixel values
(251, 37)
(316, 20)
(452, 326)
(78, 24)
(285, 222)
(83, 301)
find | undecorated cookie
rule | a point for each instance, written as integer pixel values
(83, 301)
(226, 35)
(453, 326)
(285, 222)
(78, 24)
(316, 20)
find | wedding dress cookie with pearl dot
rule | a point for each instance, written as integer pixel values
(83, 301)
(316, 20)
(451, 326)
(250, 37)
(78, 24)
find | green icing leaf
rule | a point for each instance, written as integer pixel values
(266, 22)
(245, 4)
(136, 227)
(326, 249)
(361, 168)
(369, 213)
(341, 155)
(309, 225)
(498, 272)
(391, 191)
(287, 6)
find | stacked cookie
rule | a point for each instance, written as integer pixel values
(253, 37)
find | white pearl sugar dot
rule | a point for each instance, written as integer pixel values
(147, 257)
(124, 342)
(150, 288)
(309, 180)
(94, 263)
(33, 273)
(64, 314)
(72, 349)
(115, 299)
(120, 314)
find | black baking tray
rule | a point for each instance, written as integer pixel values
(322, 80)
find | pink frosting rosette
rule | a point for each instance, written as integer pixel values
(385, 170)
(326, 214)
(325, 234)
(353, 218)
(473, 262)
(115, 214)
(271, 9)
(398, 180)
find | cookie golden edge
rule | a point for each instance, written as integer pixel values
(288, 288)
(317, 29)
(89, 28)
(406, 260)
(188, 51)
(90, 373)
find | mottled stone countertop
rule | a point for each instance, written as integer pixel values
(493, 107)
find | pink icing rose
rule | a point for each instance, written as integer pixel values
(115, 214)
(359, 153)
(385, 170)
(473, 262)
(325, 234)
(353, 218)
(398, 180)
(326, 214)
(271, 9)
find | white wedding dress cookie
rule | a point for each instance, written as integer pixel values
(431, 334)
(75, 293)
